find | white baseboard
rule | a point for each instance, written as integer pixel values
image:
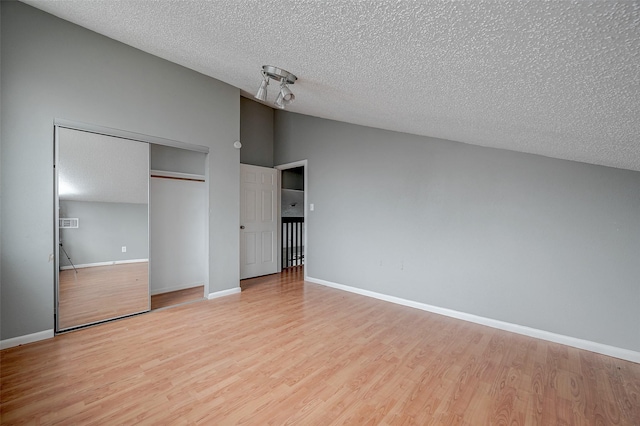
(176, 288)
(112, 262)
(28, 338)
(588, 345)
(223, 293)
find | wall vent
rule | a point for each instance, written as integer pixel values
(69, 222)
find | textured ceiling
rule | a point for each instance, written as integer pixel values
(102, 168)
(556, 78)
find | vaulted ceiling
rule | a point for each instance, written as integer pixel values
(556, 78)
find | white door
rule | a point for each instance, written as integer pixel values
(258, 221)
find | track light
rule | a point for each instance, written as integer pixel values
(262, 91)
(285, 96)
(279, 101)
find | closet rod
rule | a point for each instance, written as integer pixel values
(178, 178)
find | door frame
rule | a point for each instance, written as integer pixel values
(280, 168)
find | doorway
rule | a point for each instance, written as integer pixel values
(293, 213)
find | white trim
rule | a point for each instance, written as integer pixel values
(175, 288)
(27, 338)
(223, 293)
(109, 263)
(588, 345)
(124, 134)
(208, 218)
(56, 228)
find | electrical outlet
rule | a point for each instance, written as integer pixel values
(124, 249)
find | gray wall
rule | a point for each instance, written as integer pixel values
(534, 241)
(291, 203)
(54, 69)
(103, 229)
(178, 223)
(256, 133)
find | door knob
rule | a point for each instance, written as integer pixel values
(241, 226)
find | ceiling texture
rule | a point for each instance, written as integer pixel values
(555, 78)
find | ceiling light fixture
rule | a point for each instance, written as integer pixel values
(262, 91)
(285, 96)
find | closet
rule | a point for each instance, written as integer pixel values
(178, 220)
(130, 221)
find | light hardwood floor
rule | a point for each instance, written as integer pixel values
(177, 297)
(286, 352)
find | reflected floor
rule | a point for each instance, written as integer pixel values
(102, 292)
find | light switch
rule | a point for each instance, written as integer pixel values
(311, 206)
(124, 249)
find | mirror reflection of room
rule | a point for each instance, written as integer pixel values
(103, 256)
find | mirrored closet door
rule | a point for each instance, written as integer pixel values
(102, 204)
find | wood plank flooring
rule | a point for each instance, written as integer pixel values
(177, 297)
(288, 352)
(102, 292)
